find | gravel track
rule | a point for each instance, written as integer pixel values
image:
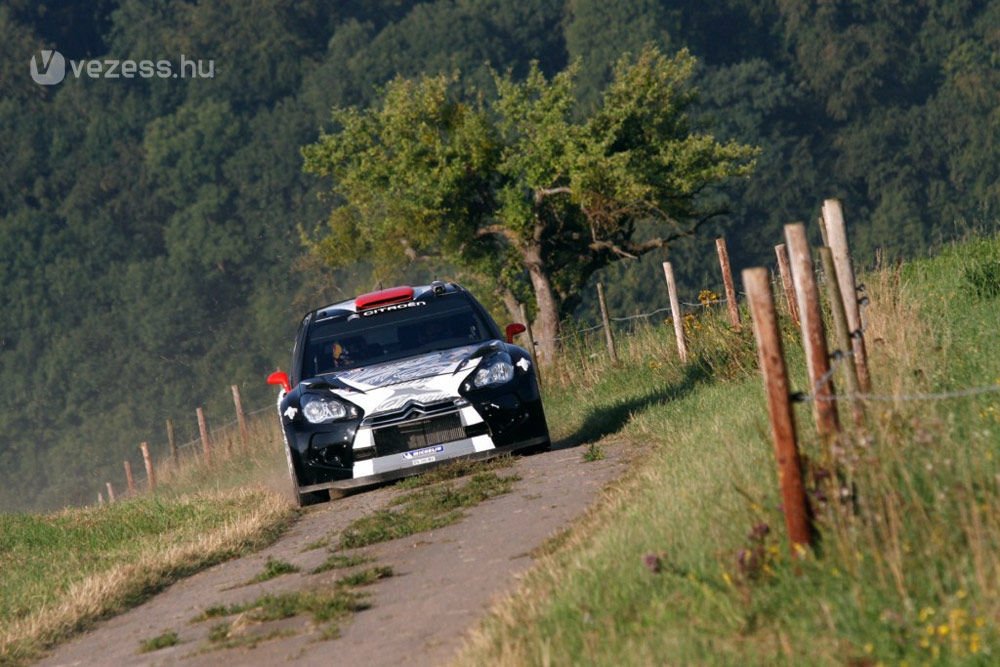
(444, 580)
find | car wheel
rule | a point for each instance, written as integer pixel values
(302, 499)
(538, 449)
(313, 498)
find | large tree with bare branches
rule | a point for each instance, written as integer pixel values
(516, 187)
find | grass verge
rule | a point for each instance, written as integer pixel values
(683, 561)
(65, 570)
(340, 562)
(274, 567)
(454, 470)
(327, 605)
(427, 508)
(165, 640)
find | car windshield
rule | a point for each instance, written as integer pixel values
(417, 327)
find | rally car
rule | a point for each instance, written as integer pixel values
(390, 383)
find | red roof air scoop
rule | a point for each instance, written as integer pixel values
(384, 297)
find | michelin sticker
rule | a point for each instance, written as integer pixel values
(423, 453)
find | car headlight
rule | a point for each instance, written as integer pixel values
(319, 409)
(498, 372)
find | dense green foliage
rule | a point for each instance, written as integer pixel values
(150, 244)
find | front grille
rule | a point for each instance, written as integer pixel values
(417, 434)
(412, 410)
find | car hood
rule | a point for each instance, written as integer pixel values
(412, 370)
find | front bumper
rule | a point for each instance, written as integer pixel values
(401, 472)
(367, 451)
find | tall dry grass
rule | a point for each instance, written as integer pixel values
(65, 570)
(68, 570)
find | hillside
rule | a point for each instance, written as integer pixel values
(150, 229)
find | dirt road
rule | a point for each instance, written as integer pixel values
(444, 581)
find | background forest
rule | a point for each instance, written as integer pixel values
(151, 229)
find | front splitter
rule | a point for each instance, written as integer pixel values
(399, 473)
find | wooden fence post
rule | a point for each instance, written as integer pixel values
(675, 311)
(786, 281)
(842, 332)
(531, 342)
(772, 366)
(609, 336)
(206, 446)
(100, 498)
(822, 231)
(172, 443)
(111, 492)
(837, 233)
(727, 282)
(813, 334)
(241, 416)
(129, 480)
(148, 462)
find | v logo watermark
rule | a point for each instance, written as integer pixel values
(53, 68)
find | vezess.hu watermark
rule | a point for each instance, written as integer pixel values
(49, 68)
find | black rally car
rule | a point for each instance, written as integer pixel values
(388, 383)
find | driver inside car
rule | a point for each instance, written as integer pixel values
(343, 354)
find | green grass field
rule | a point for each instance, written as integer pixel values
(62, 571)
(684, 560)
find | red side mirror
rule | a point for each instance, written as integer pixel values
(280, 378)
(514, 329)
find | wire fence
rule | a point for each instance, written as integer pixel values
(224, 430)
(839, 357)
(692, 307)
(707, 300)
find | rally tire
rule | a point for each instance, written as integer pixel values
(302, 499)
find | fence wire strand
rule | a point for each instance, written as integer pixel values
(213, 433)
(838, 357)
(892, 398)
(693, 307)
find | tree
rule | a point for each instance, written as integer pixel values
(512, 187)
